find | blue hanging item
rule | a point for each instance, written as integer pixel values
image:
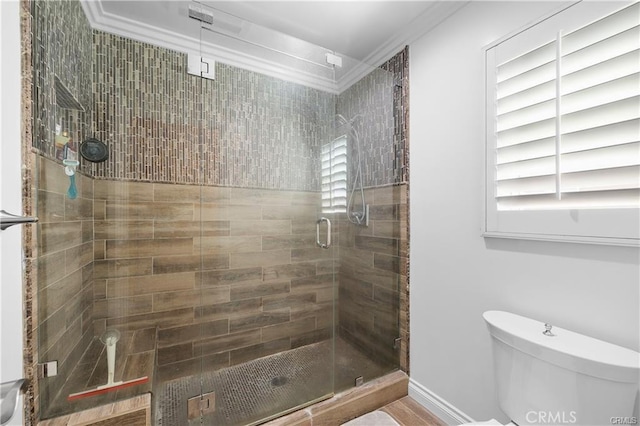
(72, 192)
(70, 170)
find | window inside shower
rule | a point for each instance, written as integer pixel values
(334, 176)
(186, 265)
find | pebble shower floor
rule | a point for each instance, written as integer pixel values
(249, 392)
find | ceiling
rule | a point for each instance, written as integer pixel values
(359, 31)
(353, 28)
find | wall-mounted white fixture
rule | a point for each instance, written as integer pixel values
(200, 14)
(70, 166)
(334, 60)
(70, 170)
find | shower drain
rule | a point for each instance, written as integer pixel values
(279, 381)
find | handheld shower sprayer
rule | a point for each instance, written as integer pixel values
(361, 216)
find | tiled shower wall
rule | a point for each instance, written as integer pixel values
(61, 324)
(368, 104)
(65, 272)
(373, 275)
(163, 125)
(226, 274)
(62, 58)
(373, 278)
(253, 142)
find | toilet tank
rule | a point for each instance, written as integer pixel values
(567, 378)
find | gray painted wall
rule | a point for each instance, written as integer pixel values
(456, 274)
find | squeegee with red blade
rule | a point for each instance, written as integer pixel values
(109, 338)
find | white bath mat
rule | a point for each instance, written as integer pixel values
(374, 418)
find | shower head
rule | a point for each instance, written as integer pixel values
(342, 120)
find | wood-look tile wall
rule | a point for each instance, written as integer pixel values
(373, 275)
(226, 274)
(64, 315)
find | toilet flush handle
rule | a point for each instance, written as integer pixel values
(547, 330)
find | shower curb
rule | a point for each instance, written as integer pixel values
(134, 411)
(349, 404)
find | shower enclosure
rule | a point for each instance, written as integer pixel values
(240, 252)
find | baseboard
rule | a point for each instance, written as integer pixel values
(438, 406)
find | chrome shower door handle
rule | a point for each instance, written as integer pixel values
(7, 219)
(327, 244)
(9, 393)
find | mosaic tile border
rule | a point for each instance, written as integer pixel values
(399, 65)
(31, 411)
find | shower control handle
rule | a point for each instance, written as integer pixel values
(327, 244)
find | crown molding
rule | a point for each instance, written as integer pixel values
(351, 72)
(101, 20)
(421, 25)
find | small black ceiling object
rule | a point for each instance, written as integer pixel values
(94, 150)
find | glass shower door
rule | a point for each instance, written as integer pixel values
(266, 316)
(307, 153)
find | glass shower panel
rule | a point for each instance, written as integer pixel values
(268, 347)
(62, 113)
(370, 114)
(304, 128)
(118, 257)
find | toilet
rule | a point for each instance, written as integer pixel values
(551, 376)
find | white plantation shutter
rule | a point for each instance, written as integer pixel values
(568, 119)
(600, 110)
(334, 176)
(563, 130)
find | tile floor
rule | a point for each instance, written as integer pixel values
(407, 412)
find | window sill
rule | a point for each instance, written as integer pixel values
(624, 242)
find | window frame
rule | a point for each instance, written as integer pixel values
(615, 226)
